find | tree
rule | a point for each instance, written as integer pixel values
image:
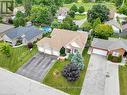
(98, 11)
(74, 8)
(41, 14)
(103, 31)
(68, 24)
(71, 14)
(19, 22)
(123, 9)
(81, 9)
(96, 22)
(71, 72)
(19, 14)
(5, 49)
(78, 60)
(27, 5)
(55, 24)
(62, 52)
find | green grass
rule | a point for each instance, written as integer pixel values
(123, 80)
(79, 16)
(88, 6)
(61, 83)
(18, 57)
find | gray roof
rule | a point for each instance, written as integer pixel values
(114, 23)
(14, 84)
(110, 44)
(5, 27)
(29, 32)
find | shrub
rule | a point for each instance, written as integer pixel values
(62, 52)
(81, 9)
(78, 60)
(74, 8)
(5, 49)
(71, 13)
(30, 45)
(71, 72)
(114, 58)
(110, 57)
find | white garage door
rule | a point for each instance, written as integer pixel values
(56, 53)
(48, 51)
(40, 49)
(100, 52)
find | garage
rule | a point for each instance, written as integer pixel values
(40, 49)
(99, 51)
(48, 51)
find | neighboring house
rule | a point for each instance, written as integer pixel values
(112, 14)
(4, 28)
(70, 40)
(124, 27)
(112, 46)
(115, 25)
(23, 34)
(16, 9)
(62, 13)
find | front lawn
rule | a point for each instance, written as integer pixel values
(123, 80)
(79, 16)
(18, 57)
(60, 82)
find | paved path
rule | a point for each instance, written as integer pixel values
(37, 67)
(80, 22)
(101, 77)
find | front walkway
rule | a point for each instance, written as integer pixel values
(101, 77)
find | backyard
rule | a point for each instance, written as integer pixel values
(18, 57)
(79, 16)
(88, 6)
(60, 82)
(123, 80)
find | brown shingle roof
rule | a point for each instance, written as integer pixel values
(60, 37)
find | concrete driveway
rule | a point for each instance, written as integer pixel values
(37, 67)
(94, 82)
(101, 77)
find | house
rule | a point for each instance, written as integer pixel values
(115, 25)
(62, 13)
(70, 40)
(112, 46)
(16, 9)
(23, 35)
(4, 28)
(112, 13)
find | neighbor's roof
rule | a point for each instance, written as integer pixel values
(124, 27)
(20, 8)
(5, 27)
(60, 37)
(114, 23)
(14, 84)
(110, 44)
(29, 32)
(62, 11)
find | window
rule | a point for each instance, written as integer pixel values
(115, 54)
